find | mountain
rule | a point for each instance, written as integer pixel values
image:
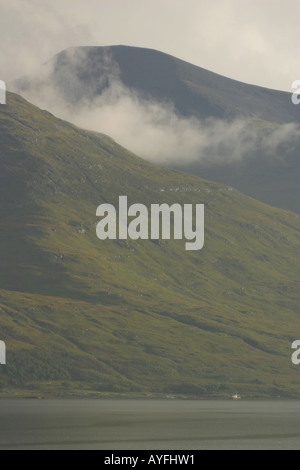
(79, 314)
(193, 90)
(269, 170)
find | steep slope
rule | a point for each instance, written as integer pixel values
(266, 165)
(80, 314)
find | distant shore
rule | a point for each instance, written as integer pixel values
(133, 396)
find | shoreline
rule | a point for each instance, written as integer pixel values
(148, 397)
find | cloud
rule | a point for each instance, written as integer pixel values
(32, 31)
(151, 129)
(155, 132)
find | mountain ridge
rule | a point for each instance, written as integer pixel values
(138, 65)
(258, 128)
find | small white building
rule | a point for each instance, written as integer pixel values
(2, 92)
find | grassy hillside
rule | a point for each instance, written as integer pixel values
(80, 314)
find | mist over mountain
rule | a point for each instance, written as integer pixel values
(78, 314)
(81, 74)
(178, 115)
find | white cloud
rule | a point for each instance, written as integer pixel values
(151, 129)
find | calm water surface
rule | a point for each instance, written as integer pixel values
(149, 425)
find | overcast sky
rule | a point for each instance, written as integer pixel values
(254, 41)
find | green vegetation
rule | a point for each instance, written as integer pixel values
(125, 316)
(272, 178)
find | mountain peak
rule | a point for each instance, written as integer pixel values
(193, 90)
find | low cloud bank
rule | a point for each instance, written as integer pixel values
(151, 129)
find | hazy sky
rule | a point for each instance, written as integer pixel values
(254, 41)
